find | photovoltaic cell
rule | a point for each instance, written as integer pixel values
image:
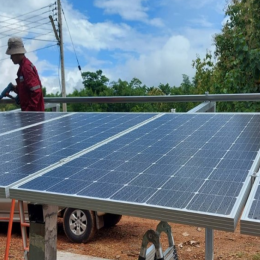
(36, 141)
(179, 166)
(11, 121)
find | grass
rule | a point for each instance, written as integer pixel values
(240, 254)
(256, 257)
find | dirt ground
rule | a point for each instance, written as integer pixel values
(123, 242)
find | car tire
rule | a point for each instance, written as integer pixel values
(79, 225)
(111, 220)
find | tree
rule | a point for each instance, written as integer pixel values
(95, 82)
(165, 88)
(204, 76)
(237, 56)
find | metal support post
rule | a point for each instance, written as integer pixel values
(209, 244)
(43, 232)
(23, 229)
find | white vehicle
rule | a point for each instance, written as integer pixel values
(79, 225)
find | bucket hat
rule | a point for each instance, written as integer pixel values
(15, 46)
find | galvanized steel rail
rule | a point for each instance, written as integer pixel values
(152, 99)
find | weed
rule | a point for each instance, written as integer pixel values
(256, 257)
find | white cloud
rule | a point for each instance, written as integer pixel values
(20, 7)
(122, 51)
(201, 22)
(168, 62)
(106, 35)
(165, 65)
(200, 3)
(73, 81)
(129, 10)
(98, 36)
(133, 10)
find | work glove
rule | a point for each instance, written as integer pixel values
(5, 92)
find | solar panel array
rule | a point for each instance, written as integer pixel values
(187, 168)
(44, 139)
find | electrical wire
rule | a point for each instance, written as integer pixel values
(37, 25)
(72, 44)
(11, 18)
(35, 38)
(23, 20)
(19, 31)
(33, 51)
(18, 25)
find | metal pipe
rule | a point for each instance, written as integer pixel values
(151, 99)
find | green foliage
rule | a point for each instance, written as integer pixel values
(203, 78)
(234, 68)
(256, 257)
(96, 84)
(237, 55)
(8, 107)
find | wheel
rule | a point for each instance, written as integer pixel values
(111, 220)
(79, 225)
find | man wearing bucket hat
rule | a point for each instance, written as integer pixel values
(28, 88)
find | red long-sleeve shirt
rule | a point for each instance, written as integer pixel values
(29, 88)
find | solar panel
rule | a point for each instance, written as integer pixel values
(12, 121)
(43, 140)
(250, 220)
(184, 168)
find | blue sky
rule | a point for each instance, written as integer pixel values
(154, 41)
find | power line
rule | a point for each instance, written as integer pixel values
(13, 27)
(34, 50)
(35, 35)
(35, 38)
(32, 32)
(17, 17)
(72, 43)
(19, 21)
(18, 24)
(19, 31)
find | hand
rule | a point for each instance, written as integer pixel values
(6, 91)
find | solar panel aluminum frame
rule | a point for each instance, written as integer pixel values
(214, 221)
(249, 226)
(187, 217)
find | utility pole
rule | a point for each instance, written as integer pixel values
(64, 105)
